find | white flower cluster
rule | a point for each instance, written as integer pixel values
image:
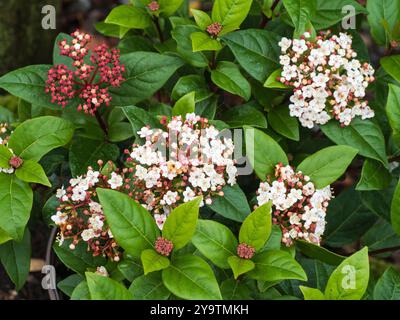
(327, 78)
(81, 217)
(187, 159)
(298, 208)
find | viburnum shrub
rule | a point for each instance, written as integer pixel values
(220, 150)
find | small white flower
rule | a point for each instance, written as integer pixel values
(115, 181)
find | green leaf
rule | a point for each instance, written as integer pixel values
(381, 13)
(240, 266)
(281, 121)
(68, 285)
(255, 50)
(85, 152)
(81, 292)
(232, 205)
(393, 111)
(272, 81)
(349, 280)
(34, 138)
(182, 35)
(5, 156)
(300, 11)
(31, 171)
(129, 17)
(256, 228)
(4, 237)
(169, 7)
(391, 65)
(395, 210)
(317, 252)
(149, 287)
(202, 19)
(244, 115)
(388, 286)
(329, 13)
(327, 165)
(119, 131)
(363, 135)
(146, 73)
(235, 290)
(29, 84)
(16, 198)
(130, 269)
(184, 105)
(347, 219)
(152, 261)
(79, 259)
(187, 84)
(374, 176)
(134, 43)
(263, 152)
(181, 223)
(111, 30)
(190, 277)
(104, 288)
(132, 225)
(230, 13)
(201, 41)
(227, 76)
(311, 293)
(16, 257)
(276, 265)
(140, 118)
(215, 241)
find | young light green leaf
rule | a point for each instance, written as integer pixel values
(300, 11)
(201, 41)
(227, 76)
(132, 226)
(16, 199)
(230, 13)
(393, 110)
(215, 241)
(240, 266)
(81, 292)
(311, 293)
(263, 152)
(181, 223)
(169, 7)
(327, 165)
(256, 228)
(153, 261)
(184, 105)
(129, 17)
(276, 265)
(16, 257)
(202, 19)
(31, 171)
(104, 288)
(272, 81)
(349, 280)
(190, 277)
(34, 138)
(5, 156)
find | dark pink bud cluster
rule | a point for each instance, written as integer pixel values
(94, 97)
(163, 246)
(60, 83)
(245, 251)
(153, 6)
(214, 29)
(16, 162)
(87, 81)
